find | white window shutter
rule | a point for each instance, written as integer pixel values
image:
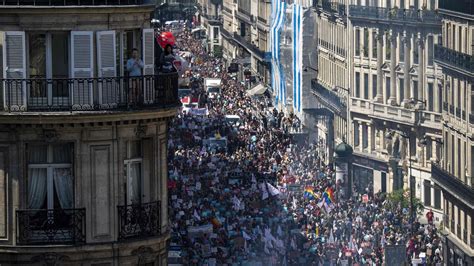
(82, 69)
(148, 52)
(148, 65)
(14, 68)
(106, 60)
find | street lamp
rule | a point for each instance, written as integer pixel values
(389, 136)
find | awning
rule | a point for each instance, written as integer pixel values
(198, 29)
(257, 90)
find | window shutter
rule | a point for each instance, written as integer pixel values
(14, 68)
(82, 69)
(148, 51)
(106, 59)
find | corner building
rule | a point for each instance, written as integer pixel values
(82, 176)
(454, 174)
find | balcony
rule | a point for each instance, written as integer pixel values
(93, 94)
(51, 227)
(333, 8)
(388, 112)
(395, 16)
(452, 185)
(329, 99)
(139, 220)
(458, 6)
(73, 2)
(455, 60)
(249, 46)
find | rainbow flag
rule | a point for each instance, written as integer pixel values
(309, 193)
(328, 195)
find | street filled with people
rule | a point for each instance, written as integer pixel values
(245, 189)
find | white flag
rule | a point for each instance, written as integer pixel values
(279, 231)
(196, 215)
(273, 190)
(331, 238)
(245, 236)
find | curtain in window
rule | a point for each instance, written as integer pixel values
(134, 183)
(36, 187)
(63, 184)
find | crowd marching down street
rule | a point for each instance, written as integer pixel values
(246, 193)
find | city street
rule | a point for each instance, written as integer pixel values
(244, 192)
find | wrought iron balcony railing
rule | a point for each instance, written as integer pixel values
(454, 59)
(73, 2)
(139, 220)
(330, 99)
(79, 94)
(330, 6)
(460, 6)
(410, 15)
(54, 226)
(247, 44)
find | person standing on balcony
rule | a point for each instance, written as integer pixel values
(134, 68)
(167, 59)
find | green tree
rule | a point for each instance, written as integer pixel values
(402, 197)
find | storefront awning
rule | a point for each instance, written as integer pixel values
(257, 90)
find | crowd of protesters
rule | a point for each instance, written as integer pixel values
(260, 197)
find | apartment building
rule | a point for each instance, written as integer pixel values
(83, 145)
(454, 174)
(246, 36)
(396, 96)
(330, 87)
(210, 17)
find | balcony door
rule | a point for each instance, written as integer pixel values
(48, 70)
(134, 172)
(50, 179)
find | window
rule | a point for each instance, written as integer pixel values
(427, 192)
(366, 86)
(430, 97)
(216, 32)
(430, 50)
(388, 47)
(357, 84)
(357, 42)
(374, 44)
(366, 42)
(437, 198)
(415, 89)
(384, 182)
(401, 88)
(387, 88)
(401, 49)
(50, 178)
(374, 86)
(415, 53)
(440, 99)
(133, 168)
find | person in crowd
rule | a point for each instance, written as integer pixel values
(267, 199)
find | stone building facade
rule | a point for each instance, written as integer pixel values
(396, 90)
(454, 174)
(246, 36)
(83, 143)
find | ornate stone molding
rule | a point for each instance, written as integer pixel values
(50, 259)
(140, 131)
(49, 135)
